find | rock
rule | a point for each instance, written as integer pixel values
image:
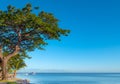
(22, 81)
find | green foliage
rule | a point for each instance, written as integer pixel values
(17, 62)
(27, 30)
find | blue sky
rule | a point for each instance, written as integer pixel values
(94, 42)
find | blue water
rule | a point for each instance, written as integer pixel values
(72, 78)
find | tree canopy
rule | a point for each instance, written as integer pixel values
(21, 30)
(26, 30)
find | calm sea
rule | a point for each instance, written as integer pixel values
(72, 78)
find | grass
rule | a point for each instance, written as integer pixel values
(3, 81)
(8, 81)
(11, 83)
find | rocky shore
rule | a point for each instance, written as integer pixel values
(22, 81)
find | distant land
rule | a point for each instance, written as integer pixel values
(39, 70)
(59, 71)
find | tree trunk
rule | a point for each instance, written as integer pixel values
(14, 73)
(4, 69)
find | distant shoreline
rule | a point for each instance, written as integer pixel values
(71, 72)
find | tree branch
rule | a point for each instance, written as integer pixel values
(16, 51)
(28, 33)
